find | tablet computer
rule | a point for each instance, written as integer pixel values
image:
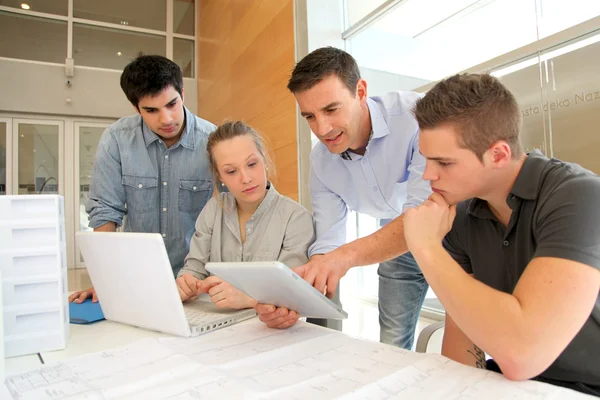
(272, 282)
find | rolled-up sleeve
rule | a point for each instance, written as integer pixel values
(299, 235)
(107, 194)
(330, 213)
(200, 242)
(419, 189)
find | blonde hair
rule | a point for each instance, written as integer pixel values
(232, 129)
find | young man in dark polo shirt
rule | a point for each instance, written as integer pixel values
(509, 242)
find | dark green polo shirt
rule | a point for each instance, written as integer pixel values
(556, 213)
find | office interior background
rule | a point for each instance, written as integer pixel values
(60, 62)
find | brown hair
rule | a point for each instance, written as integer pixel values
(322, 63)
(481, 109)
(229, 130)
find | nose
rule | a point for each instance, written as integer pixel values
(430, 173)
(164, 117)
(245, 176)
(322, 127)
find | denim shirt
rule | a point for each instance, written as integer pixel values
(158, 189)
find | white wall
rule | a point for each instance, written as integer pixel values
(29, 87)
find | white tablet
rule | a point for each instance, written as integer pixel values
(272, 282)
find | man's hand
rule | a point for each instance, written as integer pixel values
(188, 286)
(274, 317)
(224, 295)
(79, 297)
(324, 271)
(427, 225)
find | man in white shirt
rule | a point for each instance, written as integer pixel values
(368, 161)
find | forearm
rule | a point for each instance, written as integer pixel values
(108, 227)
(382, 245)
(492, 319)
(458, 347)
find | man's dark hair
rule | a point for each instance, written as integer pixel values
(322, 63)
(148, 76)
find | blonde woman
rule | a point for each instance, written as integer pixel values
(250, 222)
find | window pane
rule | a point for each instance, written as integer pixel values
(58, 7)
(112, 48)
(88, 142)
(358, 9)
(38, 158)
(183, 55)
(3, 165)
(432, 39)
(183, 17)
(33, 38)
(140, 13)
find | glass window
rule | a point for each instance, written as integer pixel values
(38, 158)
(111, 48)
(33, 38)
(569, 101)
(138, 13)
(183, 55)
(88, 142)
(3, 160)
(58, 7)
(358, 9)
(183, 17)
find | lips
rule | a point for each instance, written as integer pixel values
(334, 139)
(250, 190)
(169, 129)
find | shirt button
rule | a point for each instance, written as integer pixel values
(374, 188)
(165, 183)
(505, 243)
(164, 235)
(194, 188)
(166, 156)
(164, 208)
(140, 186)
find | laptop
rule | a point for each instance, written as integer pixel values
(134, 282)
(272, 282)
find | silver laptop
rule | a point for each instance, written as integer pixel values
(134, 283)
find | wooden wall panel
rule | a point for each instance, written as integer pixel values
(245, 57)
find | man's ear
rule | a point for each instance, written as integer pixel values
(500, 153)
(361, 90)
(182, 92)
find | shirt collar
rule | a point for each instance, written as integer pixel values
(526, 186)
(187, 138)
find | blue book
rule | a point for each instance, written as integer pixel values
(86, 312)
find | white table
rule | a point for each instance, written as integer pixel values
(249, 360)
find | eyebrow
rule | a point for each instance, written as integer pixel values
(436, 158)
(328, 106)
(247, 158)
(154, 108)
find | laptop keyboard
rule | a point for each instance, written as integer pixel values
(201, 318)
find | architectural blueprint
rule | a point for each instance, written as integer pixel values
(250, 361)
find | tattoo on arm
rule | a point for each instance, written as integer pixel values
(479, 357)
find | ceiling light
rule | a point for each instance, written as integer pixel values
(25, 6)
(119, 53)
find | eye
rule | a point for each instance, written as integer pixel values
(443, 163)
(230, 172)
(252, 164)
(331, 110)
(171, 105)
(309, 117)
(151, 111)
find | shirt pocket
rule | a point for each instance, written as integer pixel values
(264, 256)
(193, 195)
(141, 193)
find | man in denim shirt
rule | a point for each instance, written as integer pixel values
(151, 167)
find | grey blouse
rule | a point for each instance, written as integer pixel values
(280, 230)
